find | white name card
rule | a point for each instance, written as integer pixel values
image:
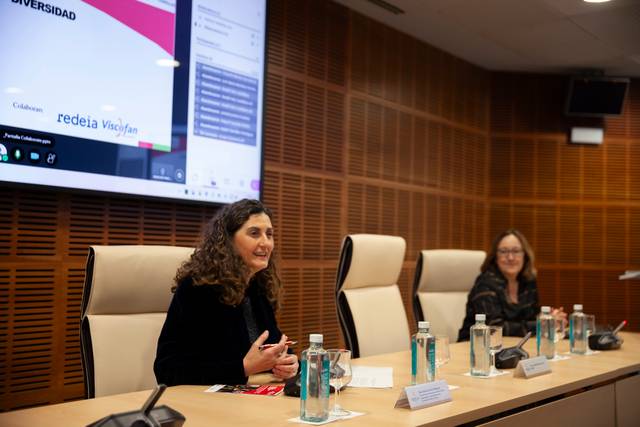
(532, 367)
(423, 395)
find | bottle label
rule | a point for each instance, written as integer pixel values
(414, 357)
(325, 377)
(571, 331)
(432, 360)
(303, 379)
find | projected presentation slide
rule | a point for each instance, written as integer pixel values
(225, 92)
(159, 98)
(65, 59)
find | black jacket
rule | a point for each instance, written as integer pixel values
(489, 295)
(203, 341)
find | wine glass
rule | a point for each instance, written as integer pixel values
(339, 376)
(442, 350)
(495, 345)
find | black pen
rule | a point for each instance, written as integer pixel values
(265, 346)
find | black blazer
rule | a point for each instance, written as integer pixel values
(203, 341)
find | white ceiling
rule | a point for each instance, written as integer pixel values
(541, 36)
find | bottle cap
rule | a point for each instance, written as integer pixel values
(481, 317)
(315, 338)
(423, 324)
(545, 309)
(577, 307)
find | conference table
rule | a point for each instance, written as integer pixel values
(602, 389)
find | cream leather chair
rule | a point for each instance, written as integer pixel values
(126, 295)
(442, 283)
(370, 308)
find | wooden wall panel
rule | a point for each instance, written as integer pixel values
(570, 171)
(616, 169)
(500, 166)
(547, 289)
(615, 236)
(593, 173)
(594, 293)
(569, 228)
(408, 155)
(373, 153)
(545, 242)
(45, 237)
(592, 235)
(445, 180)
(546, 169)
(405, 147)
(389, 145)
(419, 152)
(583, 204)
(523, 179)
(366, 130)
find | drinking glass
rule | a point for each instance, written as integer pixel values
(590, 328)
(560, 329)
(442, 351)
(495, 345)
(339, 376)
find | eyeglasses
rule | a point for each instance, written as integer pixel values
(516, 252)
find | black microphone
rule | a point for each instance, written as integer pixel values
(147, 416)
(508, 358)
(607, 340)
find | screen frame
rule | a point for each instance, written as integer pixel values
(110, 193)
(571, 91)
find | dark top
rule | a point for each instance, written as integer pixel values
(489, 295)
(203, 341)
(250, 320)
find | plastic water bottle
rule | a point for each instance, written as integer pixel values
(314, 381)
(577, 331)
(545, 333)
(423, 355)
(431, 355)
(480, 347)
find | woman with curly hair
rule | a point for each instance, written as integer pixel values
(223, 307)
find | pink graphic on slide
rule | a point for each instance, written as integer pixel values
(156, 24)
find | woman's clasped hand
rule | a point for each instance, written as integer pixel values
(275, 358)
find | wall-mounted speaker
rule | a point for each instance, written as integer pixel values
(582, 135)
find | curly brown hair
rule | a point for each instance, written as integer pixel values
(528, 271)
(215, 261)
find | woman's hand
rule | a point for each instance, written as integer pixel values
(257, 360)
(286, 366)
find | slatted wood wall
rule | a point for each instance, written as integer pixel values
(44, 236)
(578, 204)
(367, 130)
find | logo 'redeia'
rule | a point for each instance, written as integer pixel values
(119, 127)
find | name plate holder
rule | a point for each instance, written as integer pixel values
(533, 367)
(422, 395)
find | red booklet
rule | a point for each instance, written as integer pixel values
(264, 390)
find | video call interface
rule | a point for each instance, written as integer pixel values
(161, 98)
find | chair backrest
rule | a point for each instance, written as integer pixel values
(370, 309)
(126, 295)
(441, 286)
